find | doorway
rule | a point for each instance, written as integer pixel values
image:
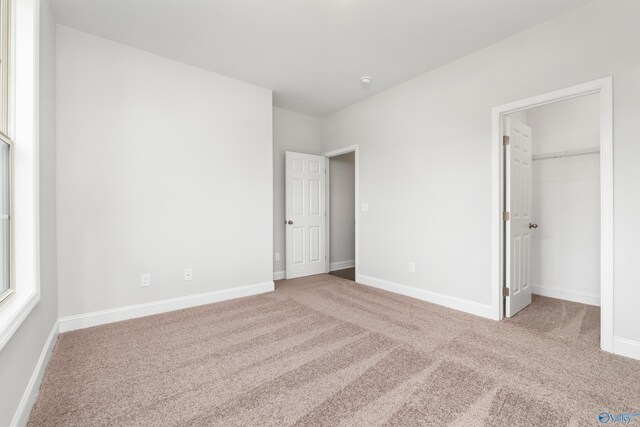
(341, 215)
(309, 234)
(519, 263)
(334, 154)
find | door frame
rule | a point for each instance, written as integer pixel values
(328, 155)
(603, 87)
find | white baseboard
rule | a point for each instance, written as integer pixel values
(342, 265)
(30, 394)
(567, 294)
(71, 323)
(627, 348)
(483, 310)
(279, 275)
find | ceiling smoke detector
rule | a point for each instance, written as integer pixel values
(366, 80)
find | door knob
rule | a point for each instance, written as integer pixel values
(533, 225)
(291, 222)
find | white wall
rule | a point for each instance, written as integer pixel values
(342, 215)
(161, 167)
(425, 155)
(566, 201)
(18, 359)
(291, 132)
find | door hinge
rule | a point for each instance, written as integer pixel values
(505, 291)
(505, 216)
(505, 140)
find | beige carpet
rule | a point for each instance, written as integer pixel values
(325, 351)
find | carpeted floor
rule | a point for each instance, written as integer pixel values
(324, 351)
(346, 273)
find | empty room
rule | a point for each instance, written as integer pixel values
(336, 213)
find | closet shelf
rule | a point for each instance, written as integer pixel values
(569, 153)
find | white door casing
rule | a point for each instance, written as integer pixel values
(305, 210)
(603, 87)
(518, 201)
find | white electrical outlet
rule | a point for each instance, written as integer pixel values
(412, 267)
(188, 274)
(276, 257)
(364, 207)
(145, 280)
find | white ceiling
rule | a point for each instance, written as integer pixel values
(312, 53)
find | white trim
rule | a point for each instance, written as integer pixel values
(471, 307)
(341, 151)
(26, 195)
(80, 321)
(17, 315)
(582, 297)
(327, 215)
(342, 265)
(279, 275)
(30, 394)
(627, 348)
(604, 87)
(333, 153)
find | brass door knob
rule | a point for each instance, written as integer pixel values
(291, 222)
(533, 225)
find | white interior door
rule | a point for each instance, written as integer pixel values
(305, 212)
(519, 197)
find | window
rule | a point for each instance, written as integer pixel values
(5, 232)
(5, 155)
(19, 162)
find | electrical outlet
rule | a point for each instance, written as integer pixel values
(145, 280)
(276, 257)
(412, 267)
(188, 274)
(364, 207)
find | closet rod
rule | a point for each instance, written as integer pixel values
(570, 153)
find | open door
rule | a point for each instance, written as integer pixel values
(518, 222)
(305, 212)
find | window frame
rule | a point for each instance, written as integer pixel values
(4, 295)
(24, 97)
(5, 114)
(5, 65)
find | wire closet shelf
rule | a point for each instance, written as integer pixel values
(568, 153)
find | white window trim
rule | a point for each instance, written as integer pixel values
(24, 131)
